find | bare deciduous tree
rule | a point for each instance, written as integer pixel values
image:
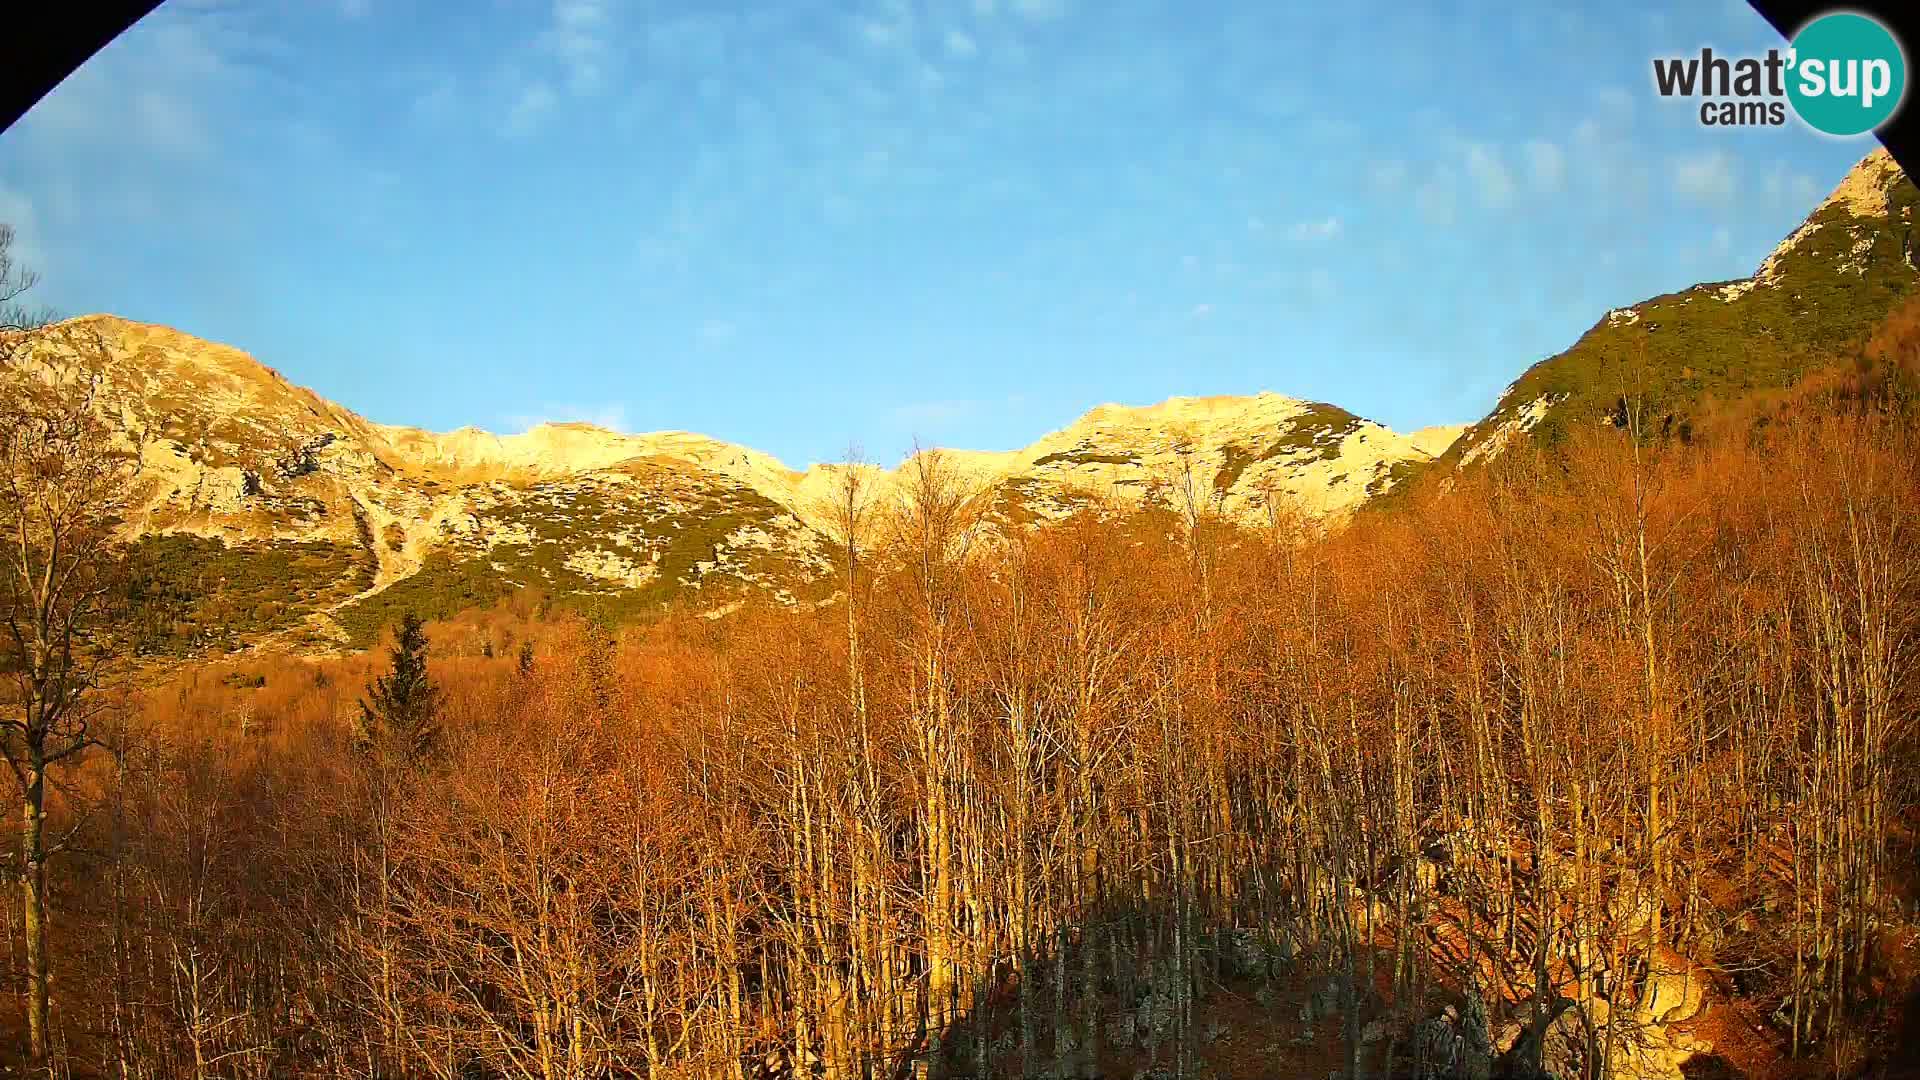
(15, 280)
(66, 480)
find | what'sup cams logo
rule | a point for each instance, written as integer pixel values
(1843, 74)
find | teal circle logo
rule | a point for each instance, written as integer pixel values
(1847, 74)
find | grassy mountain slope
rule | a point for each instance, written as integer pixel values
(1822, 290)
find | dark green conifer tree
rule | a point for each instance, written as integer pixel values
(399, 716)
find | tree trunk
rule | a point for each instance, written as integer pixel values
(122, 978)
(33, 882)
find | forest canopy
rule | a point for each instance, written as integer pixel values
(1602, 754)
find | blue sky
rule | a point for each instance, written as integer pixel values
(802, 224)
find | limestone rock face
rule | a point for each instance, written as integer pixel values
(1676, 987)
(239, 454)
(1633, 1044)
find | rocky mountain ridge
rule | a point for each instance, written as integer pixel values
(243, 458)
(1826, 285)
(300, 517)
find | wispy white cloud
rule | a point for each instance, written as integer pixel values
(1039, 10)
(171, 123)
(1605, 159)
(1388, 175)
(881, 32)
(580, 38)
(1547, 164)
(155, 133)
(961, 44)
(1323, 229)
(574, 51)
(1616, 100)
(17, 210)
(1201, 311)
(1492, 181)
(438, 101)
(1794, 189)
(892, 25)
(1435, 200)
(534, 101)
(151, 92)
(1705, 177)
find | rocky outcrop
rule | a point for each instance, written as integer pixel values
(238, 453)
(1676, 988)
